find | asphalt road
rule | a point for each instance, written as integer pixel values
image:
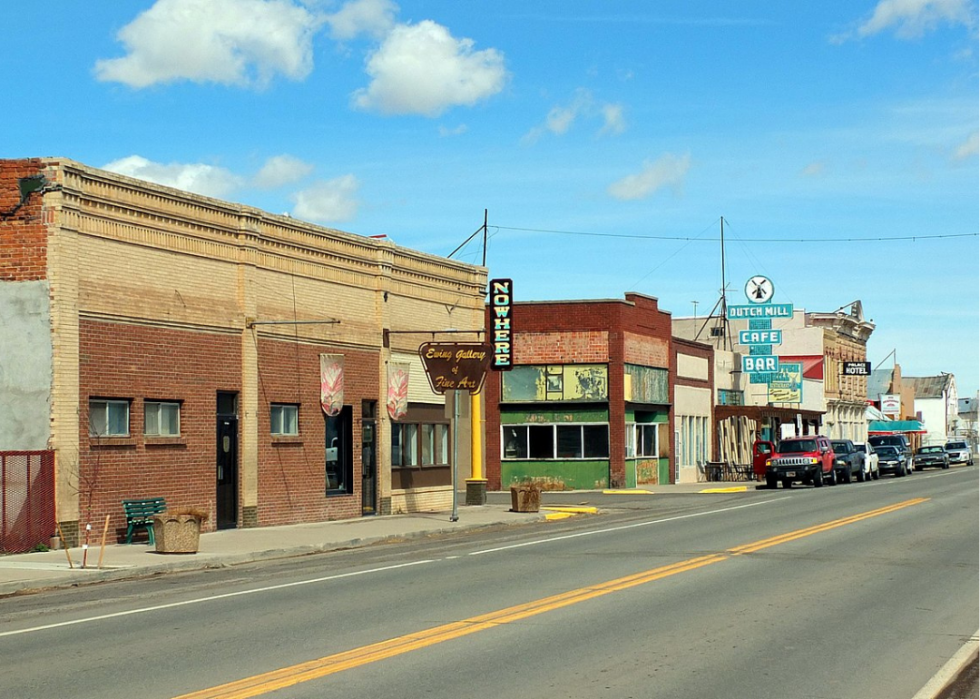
(861, 591)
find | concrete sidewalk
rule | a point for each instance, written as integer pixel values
(27, 572)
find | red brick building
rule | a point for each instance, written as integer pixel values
(588, 402)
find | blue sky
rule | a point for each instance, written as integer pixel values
(606, 138)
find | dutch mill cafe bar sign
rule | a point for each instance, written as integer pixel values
(761, 365)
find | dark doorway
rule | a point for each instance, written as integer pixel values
(226, 495)
(339, 431)
(369, 453)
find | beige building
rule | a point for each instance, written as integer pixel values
(828, 401)
(221, 356)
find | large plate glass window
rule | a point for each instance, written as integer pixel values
(553, 442)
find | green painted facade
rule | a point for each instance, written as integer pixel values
(557, 475)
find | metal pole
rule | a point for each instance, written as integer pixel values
(454, 517)
(724, 299)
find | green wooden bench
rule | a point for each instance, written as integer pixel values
(139, 515)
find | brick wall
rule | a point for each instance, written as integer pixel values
(141, 363)
(23, 233)
(586, 347)
(291, 471)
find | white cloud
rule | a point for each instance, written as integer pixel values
(373, 17)
(233, 42)
(561, 118)
(814, 169)
(913, 18)
(613, 120)
(280, 170)
(329, 201)
(422, 69)
(203, 179)
(457, 131)
(666, 171)
(968, 149)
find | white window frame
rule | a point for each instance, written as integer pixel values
(284, 419)
(638, 438)
(106, 407)
(155, 413)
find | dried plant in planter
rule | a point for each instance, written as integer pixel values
(195, 512)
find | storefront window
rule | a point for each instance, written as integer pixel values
(425, 444)
(550, 442)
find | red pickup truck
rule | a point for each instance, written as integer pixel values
(808, 459)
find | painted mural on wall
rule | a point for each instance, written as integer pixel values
(645, 384)
(556, 382)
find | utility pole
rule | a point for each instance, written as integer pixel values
(724, 288)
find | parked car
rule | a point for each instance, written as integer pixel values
(959, 452)
(870, 457)
(848, 461)
(808, 460)
(930, 456)
(894, 440)
(892, 460)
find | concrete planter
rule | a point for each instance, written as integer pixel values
(176, 533)
(525, 498)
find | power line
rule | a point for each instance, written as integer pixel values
(743, 240)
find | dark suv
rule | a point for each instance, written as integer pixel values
(848, 461)
(894, 440)
(808, 459)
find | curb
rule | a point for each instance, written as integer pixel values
(951, 670)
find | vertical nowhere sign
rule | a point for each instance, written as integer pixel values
(501, 298)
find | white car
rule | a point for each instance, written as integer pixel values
(870, 461)
(959, 452)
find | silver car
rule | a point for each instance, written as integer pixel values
(959, 452)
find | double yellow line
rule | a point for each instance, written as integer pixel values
(331, 664)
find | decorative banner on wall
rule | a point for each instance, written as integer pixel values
(398, 390)
(332, 383)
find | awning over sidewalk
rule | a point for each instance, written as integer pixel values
(895, 426)
(872, 413)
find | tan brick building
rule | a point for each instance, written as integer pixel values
(167, 344)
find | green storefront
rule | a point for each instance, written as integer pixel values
(555, 426)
